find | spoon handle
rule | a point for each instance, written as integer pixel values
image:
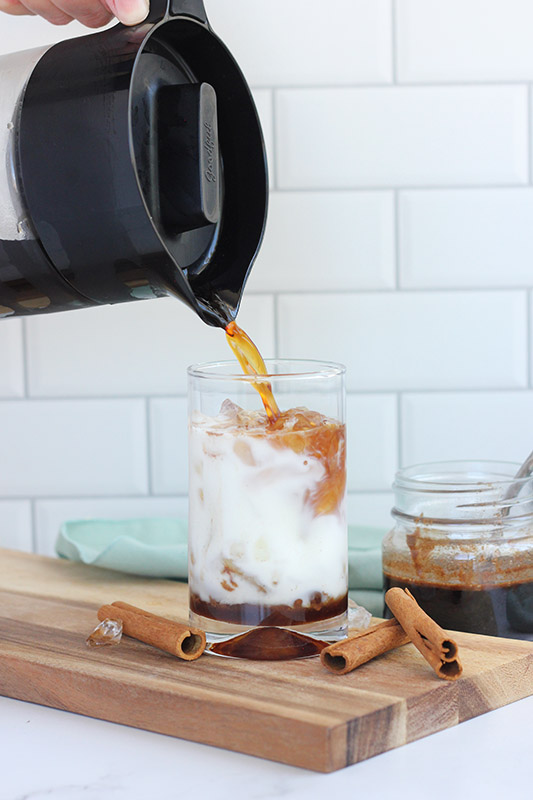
(527, 467)
(513, 491)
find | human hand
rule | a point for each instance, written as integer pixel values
(93, 13)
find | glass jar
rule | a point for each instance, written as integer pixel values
(463, 545)
(267, 521)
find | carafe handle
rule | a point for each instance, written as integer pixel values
(161, 9)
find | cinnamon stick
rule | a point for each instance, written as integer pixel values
(429, 638)
(350, 653)
(173, 637)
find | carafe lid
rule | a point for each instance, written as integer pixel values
(142, 163)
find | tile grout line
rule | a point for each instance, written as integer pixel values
(53, 498)
(387, 290)
(433, 290)
(273, 176)
(494, 83)
(25, 360)
(399, 435)
(397, 239)
(394, 42)
(529, 333)
(33, 524)
(408, 187)
(529, 134)
(276, 324)
(273, 172)
(99, 398)
(148, 445)
(353, 391)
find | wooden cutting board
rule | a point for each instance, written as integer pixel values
(295, 712)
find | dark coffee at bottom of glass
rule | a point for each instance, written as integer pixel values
(279, 615)
(494, 611)
(269, 644)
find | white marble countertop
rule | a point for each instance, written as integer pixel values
(48, 754)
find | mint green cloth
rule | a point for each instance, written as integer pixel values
(157, 548)
(371, 599)
(365, 577)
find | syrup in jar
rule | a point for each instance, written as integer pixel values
(463, 546)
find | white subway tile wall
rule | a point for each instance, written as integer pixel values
(11, 358)
(264, 100)
(404, 136)
(140, 348)
(465, 238)
(306, 42)
(370, 509)
(359, 253)
(16, 525)
(82, 447)
(413, 340)
(168, 435)
(399, 240)
(371, 434)
(470, 425)
(464, 40)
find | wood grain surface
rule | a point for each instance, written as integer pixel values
(294, 712)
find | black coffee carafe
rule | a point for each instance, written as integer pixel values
(135, 168)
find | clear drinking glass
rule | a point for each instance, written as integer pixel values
(267, 521)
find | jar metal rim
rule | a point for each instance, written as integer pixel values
(488, 476)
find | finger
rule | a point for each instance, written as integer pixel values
(14, 7)
(88, 12)
(129, 12)
(47, 10)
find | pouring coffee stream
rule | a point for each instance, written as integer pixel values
(252, 363)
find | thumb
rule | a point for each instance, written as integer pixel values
(129, 12)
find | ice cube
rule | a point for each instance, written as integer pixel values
(109, 631)
(229, 409)
(358, 616)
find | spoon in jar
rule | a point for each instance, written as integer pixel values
(514, 490)
(525, 471)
